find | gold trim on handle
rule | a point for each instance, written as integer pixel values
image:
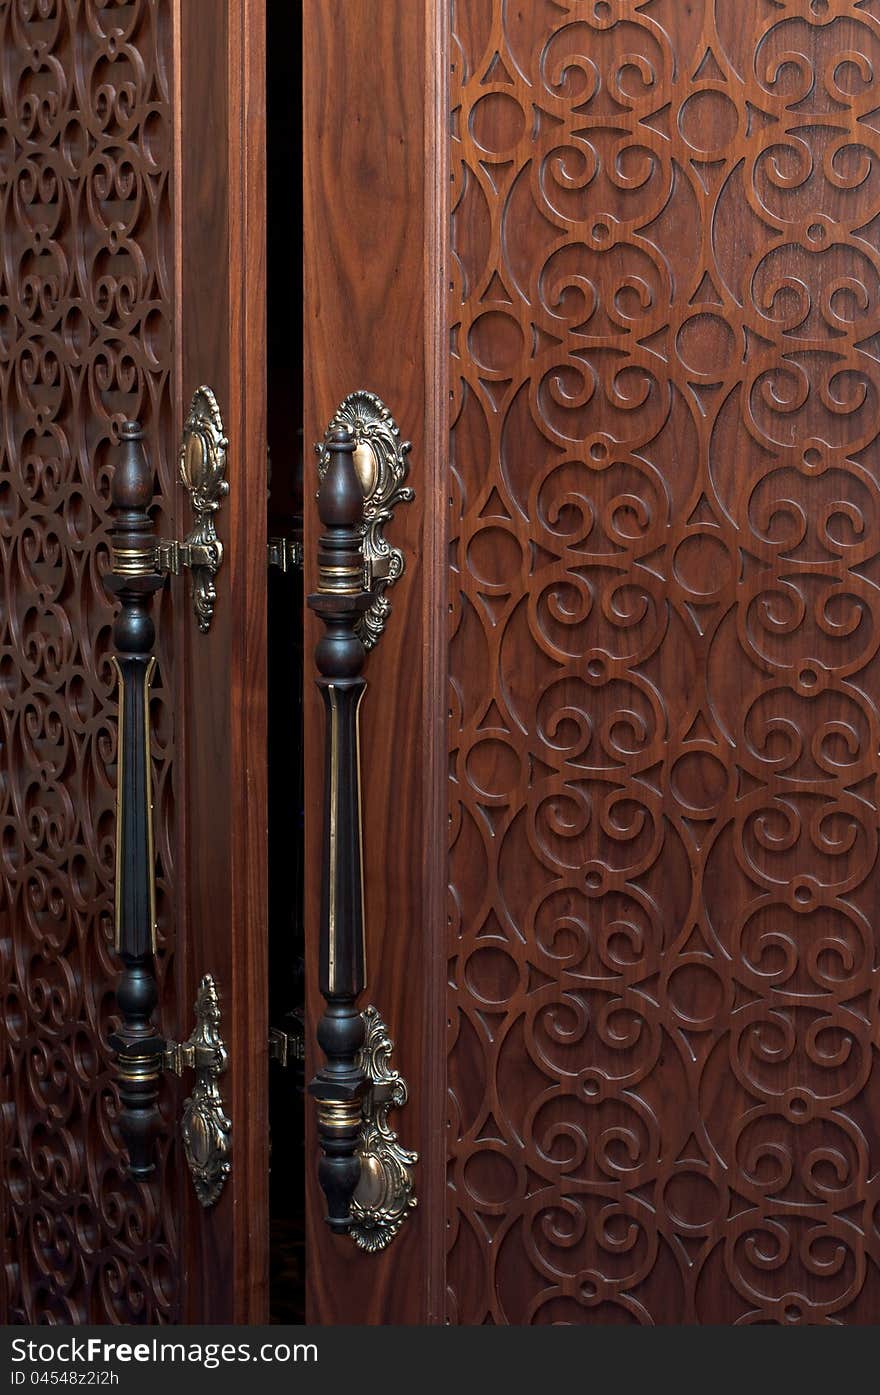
(357, 747)
(148, 776)
(334, 831)
(133, 561)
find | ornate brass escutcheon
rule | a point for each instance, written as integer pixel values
(206, 1131)
(384, 1194)
(380, 459)
(201, 462)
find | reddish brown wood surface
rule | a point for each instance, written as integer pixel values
(133, 234)
(664, 736)
(372, 286)
(86, 306)
(221, 230)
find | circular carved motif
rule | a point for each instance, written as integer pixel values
(85, 343)
(665, 626)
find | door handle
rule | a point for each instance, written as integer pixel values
(366, 1176)
(140, 1051)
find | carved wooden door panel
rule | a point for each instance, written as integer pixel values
(626, 304)
(664, 663)
(128, 193)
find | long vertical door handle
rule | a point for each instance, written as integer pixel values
(138, 1044)
(340, 601)
(365, 1174)
(138, 561)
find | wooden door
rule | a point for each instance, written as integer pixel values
(372, 258)
(613, 267)
(131, 187)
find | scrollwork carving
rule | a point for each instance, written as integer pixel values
(664, 635)
(85, 344)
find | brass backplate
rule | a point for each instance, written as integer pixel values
(201, 460)
(206, 1131)
(380, 458)
(385, 1193)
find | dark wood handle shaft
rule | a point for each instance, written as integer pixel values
(338, 1088)
(138, 1045)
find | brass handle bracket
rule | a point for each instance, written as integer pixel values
(285, 553)
(171, 556)
(385, 1193)
(202, 468)
(287, 1047)
(179, 1056)
(205, 1127)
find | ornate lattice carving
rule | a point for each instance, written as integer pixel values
(664, 726)
(85, 342)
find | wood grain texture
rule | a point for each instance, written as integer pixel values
(664, 734)
(221, 57)
(370, 249)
